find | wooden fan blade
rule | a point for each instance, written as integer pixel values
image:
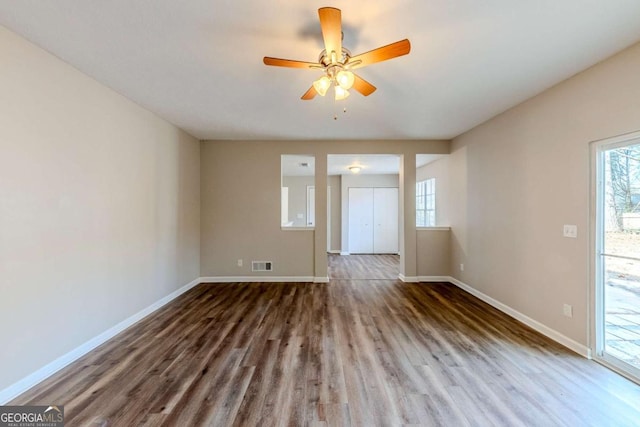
(278, 62)
(380, 54)
(363, 86)
(310, 94)
(331, 24)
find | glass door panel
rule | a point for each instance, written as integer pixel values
(622, 309)
(618, 251)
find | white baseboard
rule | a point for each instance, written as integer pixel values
(261, 279)
(434, 279)
(408, 279)
(534, 324)
(46, 371)
(344, 253)
(332, 251)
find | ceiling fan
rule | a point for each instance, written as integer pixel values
(337, 62)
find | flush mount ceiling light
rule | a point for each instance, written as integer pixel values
(337, 63)
(355, 169)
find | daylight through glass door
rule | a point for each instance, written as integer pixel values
(618, 249)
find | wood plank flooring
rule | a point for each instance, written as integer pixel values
(350, 352)
(364, 267)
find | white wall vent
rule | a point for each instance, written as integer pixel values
(261, 266)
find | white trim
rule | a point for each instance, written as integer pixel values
(335, 251)
(618, 366)
(46, 371)
(434, 279)
(344, 253)
(261, 279)
(622, 140)
(297, 228)
(433, 228)
(596, 295)
(581, 349)
(595, 313)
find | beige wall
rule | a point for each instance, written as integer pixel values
(433, 252)
(440, 170)
(241, 213)
(99, 208)
(519, 177)
(241, 205)
(297, 186)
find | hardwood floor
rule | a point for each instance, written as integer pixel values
(350, 352)
(362, 267)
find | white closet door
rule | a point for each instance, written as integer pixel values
(360, 220)
(385, 220)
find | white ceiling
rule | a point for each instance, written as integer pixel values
(199, 65)
(338, 164)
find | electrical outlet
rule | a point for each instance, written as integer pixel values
(570, 230)
(239, 263)
(567, 310)
(461, 267)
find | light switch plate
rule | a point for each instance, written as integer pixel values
(570, 231)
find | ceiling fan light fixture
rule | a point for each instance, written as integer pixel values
(322, 85)
(341, 93)
(337, 62)
(355, 169)
(345, 79)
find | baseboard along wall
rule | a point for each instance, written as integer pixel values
(46, 371)
(534, 324)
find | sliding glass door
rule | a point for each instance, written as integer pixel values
(617, 260)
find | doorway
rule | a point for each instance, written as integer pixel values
(617, 254)
(364, 214)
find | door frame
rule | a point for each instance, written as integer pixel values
(311, 206)
(596, 278)
(329, 225)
